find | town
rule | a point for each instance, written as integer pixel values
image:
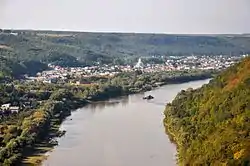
(59, 74)
(75, 75)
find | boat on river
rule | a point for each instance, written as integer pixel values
(149, 97)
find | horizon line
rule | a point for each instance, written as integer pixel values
(122, 32)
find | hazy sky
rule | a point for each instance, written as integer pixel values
(157, 16)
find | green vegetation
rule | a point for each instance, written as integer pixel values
(210, 125)
(217, 108)
(11, 67)
(80, 49)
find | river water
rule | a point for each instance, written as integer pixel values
(125, 131)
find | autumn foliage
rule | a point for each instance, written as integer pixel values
(211, 125)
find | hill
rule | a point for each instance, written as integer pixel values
(38, 48)
(210, 125)
(112, 47)
(12, 67)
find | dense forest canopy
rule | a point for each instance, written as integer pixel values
(12, 67)
(211, 125)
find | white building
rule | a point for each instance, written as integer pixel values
(139, 64)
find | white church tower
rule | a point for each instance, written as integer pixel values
(139, 64)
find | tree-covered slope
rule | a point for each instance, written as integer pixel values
(108, 47)
(12, 67)
(211, 125)
(82, 48)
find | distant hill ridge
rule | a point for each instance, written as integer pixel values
(84, 48)
(79, 44)
(210, 125)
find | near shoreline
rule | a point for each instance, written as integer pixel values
(210, 125)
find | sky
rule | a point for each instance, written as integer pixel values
(145, 16)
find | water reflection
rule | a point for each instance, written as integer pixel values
(101, 105)
(157, 103)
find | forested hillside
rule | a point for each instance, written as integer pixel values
(12, 67)
(210, 125)
(86, 48)
(30, 51)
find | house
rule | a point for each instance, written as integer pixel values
(13, 33)
(14, 109)
(5, 106)
(50, 80)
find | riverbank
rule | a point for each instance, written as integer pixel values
(39, 151)
(209, 125)
(63, 108)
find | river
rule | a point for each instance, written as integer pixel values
(125, 131)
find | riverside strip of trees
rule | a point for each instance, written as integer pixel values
(210, 125)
